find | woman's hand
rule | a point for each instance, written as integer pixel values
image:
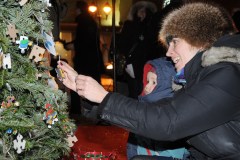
(90, 89)
(69, 75)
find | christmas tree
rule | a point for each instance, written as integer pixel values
(34, 121)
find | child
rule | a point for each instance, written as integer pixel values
(157, 84)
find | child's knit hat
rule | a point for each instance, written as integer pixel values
(147, 68)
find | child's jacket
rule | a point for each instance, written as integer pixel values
(165, 72)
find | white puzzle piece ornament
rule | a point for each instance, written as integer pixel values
(7, 61)
(23, 43)
(71, 140)
(19, 144)
(22, 2)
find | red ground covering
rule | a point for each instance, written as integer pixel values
(106, 139)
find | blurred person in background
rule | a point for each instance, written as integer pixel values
(88, 58)
(134, 43)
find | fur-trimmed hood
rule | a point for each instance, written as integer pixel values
(226, 49)
(141, 4)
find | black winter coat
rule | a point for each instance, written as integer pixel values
(206, 111)
(88, 56)
(135, 37)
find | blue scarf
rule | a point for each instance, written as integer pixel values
(179, 77)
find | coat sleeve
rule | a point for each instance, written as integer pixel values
(212, 101)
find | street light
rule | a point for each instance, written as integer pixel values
(107, 9)
(92, 8)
